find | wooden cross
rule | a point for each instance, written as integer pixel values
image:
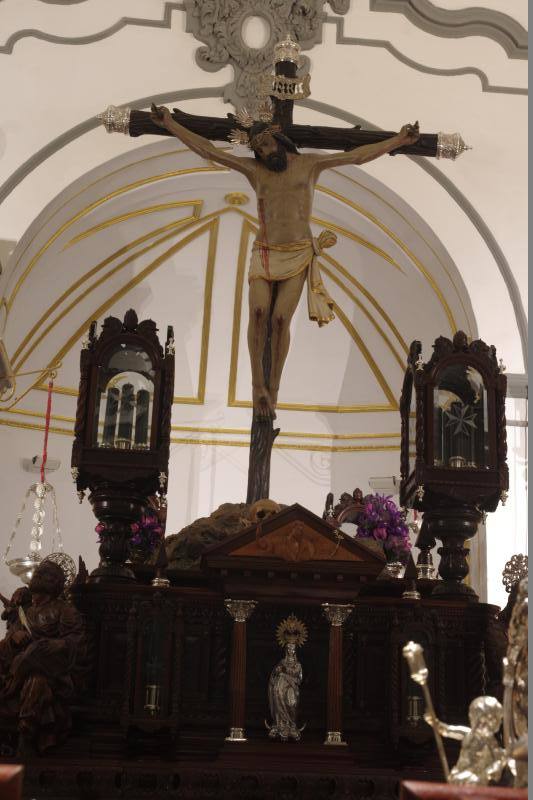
(310, 136)
(139, 123)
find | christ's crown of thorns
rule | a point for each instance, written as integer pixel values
(245, 120)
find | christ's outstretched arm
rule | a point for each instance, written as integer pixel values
(409, 134)
(203, 147)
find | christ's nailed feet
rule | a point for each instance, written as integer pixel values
(263, 407)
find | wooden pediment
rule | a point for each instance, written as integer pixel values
(297, 537)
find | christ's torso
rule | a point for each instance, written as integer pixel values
(285, 200)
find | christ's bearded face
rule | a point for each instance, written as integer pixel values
(271, 152)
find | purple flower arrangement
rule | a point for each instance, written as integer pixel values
(382, 521)
(146, 534)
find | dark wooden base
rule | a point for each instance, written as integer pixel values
(454, 590)
(251, 771)
(159, 697)
(114, 573)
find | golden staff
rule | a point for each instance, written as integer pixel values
(414, 655)
(24, 620)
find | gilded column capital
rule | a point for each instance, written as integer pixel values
(337, 614)
(240, 610)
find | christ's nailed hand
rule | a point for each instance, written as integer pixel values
(410, 133)
(160, 115)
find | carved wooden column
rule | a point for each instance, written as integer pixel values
(336, 616)
(240, 610)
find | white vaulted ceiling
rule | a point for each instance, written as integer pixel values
(104, 223)
(169, 234)
(384, 62)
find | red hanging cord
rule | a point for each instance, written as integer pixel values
(47, 424)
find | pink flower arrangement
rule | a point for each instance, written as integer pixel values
(382, 521)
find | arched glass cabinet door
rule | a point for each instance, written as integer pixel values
(460, 418)
(124, 405)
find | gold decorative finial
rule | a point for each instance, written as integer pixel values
(287, 50)
(451, 145)
(115, 119)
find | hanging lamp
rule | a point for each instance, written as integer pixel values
(39, 495)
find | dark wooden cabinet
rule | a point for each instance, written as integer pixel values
(130, 741)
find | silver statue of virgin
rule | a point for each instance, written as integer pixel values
(284, 683)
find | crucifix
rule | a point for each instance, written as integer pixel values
(285, 252)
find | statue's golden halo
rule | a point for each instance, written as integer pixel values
(291, 631)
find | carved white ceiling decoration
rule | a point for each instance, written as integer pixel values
(162, 20)
(458, 23)
(221, 27)
(428, 69)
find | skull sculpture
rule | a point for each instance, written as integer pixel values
(262, 509)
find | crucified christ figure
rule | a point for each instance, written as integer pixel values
(284, 252)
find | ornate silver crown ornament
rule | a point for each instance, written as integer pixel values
(451, 145)
(115, 119)
(281, 86)
(288, 50)
(291, 631)
(513, 572)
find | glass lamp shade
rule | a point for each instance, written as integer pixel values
(124, 400)
(460, 419)
(23, 567)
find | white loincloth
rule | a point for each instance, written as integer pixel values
(282, 261)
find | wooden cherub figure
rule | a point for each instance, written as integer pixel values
(42, 661)
(481, 760)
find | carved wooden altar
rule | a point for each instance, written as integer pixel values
(173, 674)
